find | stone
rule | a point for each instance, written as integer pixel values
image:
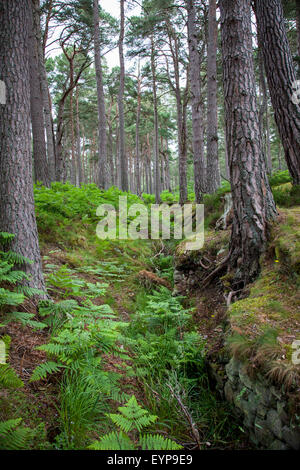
(278, 445)
(263, 435)
(228, 392)
(291, 437)
(281, 405)
(263, 394)
(232, 369)
(245, 379)
(274, 423)
(261, 411)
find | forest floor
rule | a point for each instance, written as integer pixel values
(115, 297)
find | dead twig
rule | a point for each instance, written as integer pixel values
(187, 416)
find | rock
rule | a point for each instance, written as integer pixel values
(245, 379)
(232, 369)
(261, 411)
(278, 445)
(281, 412)
(228, 392)
(291, 437)
(274, 423)
(263, 393)
(263, 435)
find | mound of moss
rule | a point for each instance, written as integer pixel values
(266, 324)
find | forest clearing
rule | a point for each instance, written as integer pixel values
(149, 226)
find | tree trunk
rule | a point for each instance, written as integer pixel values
(17, 213)
(264, 125)
(47, 104)
(137, 133)
(156, 136)
(123, 157)
(213, 171)
(102, 139)
(78, 149)
(281, 79)
(197, 102)
(41, 170)
(253, 202)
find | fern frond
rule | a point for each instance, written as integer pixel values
(42, 370)
(13, 437)
(9, 378)
(132, 416)
(25, 319)
(158, 442)
(113, 441)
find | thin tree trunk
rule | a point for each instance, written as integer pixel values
(41, 171)
(253, 202)
(78, 149)
(137, 132)
(73, 154)
(123, 157)
(265, 129)
(213, 170)
(197, 103)
(156, 136)
(102, 139)
(281, 79)
(17, 213)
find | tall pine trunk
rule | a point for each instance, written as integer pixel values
(281, 79)
(213, 171)
(197, 102)
(123, 156)
(41, 170)
(137, 133)
(253, 202)
(156, 136)
(17, 213)
(102, 139)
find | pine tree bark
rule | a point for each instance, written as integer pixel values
(253, 202)
(156, 136)
(41, 170)
(123, 156)
(78, 146)
(181, 105)
(17, 213)
(281, 79)
(137, 133)
(197, 102)
(46, 95)
(213, 171)
(102, 138)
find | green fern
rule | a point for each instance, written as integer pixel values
(9, 378)
(12, 436)
(113, 441)
(157, 442)
(42, 370)
(133, 417)
(25, 319)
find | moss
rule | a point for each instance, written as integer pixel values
(264, 325)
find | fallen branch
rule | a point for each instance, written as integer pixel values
(187, 416)
(213, 274)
